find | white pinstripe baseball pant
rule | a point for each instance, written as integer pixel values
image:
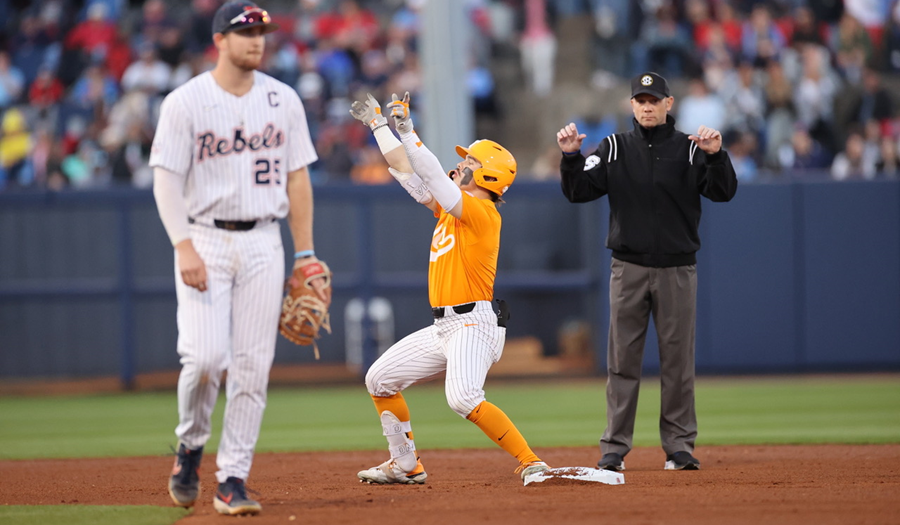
(465, 345)
(232, 326)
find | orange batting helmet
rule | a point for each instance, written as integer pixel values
(498, 166)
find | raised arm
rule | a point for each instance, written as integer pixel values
(582, 179)
(423, 161)
(369, 113)
(717, 180)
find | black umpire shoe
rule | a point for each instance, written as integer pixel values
(682, 461)
(612, 461)
(184, 483)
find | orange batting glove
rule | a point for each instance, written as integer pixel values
(399, 110)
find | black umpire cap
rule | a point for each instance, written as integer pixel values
(241, 15)
(651, 84)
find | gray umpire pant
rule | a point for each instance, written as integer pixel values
(670, 294)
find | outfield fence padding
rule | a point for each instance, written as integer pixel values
(793, 277)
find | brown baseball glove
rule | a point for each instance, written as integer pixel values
(303, 312)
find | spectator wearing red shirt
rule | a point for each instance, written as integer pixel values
(45, 91)
(95, 34)
(118, 58)
(698, 15)
(353, 28)
(730, 24)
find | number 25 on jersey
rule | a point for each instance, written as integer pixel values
(268, 172)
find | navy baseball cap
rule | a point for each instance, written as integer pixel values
(651, 84)
(241, 15)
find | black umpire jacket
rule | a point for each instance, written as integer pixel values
(654, 178)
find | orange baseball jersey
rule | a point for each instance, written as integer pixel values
(463, 262)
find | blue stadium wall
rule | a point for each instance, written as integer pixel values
(794, 277)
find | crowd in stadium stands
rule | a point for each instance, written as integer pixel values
(81, 82)
(795, 85)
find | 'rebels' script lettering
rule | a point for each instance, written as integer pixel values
(210, 145)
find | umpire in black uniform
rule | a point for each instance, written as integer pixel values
(654, 176)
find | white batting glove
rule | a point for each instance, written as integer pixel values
(413, 185)
(368, 112)
(399, 110)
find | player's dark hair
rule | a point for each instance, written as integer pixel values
(494, 197)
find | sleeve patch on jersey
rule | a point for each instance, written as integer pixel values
(591, 162)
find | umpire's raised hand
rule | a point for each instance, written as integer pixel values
(568, 139)
(708, 139)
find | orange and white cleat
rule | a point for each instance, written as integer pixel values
(389, 472)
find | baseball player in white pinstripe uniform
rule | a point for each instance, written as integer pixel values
(230, 158)
(467, 336)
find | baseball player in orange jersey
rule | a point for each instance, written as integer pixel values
(467, 335)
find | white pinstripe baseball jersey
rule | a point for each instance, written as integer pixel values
(235, 152)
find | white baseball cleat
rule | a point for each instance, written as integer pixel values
(528, 469)
(390, 472)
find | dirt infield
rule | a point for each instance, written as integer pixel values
(828, 484)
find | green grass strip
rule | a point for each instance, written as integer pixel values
(89, 514)
(801, 410)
